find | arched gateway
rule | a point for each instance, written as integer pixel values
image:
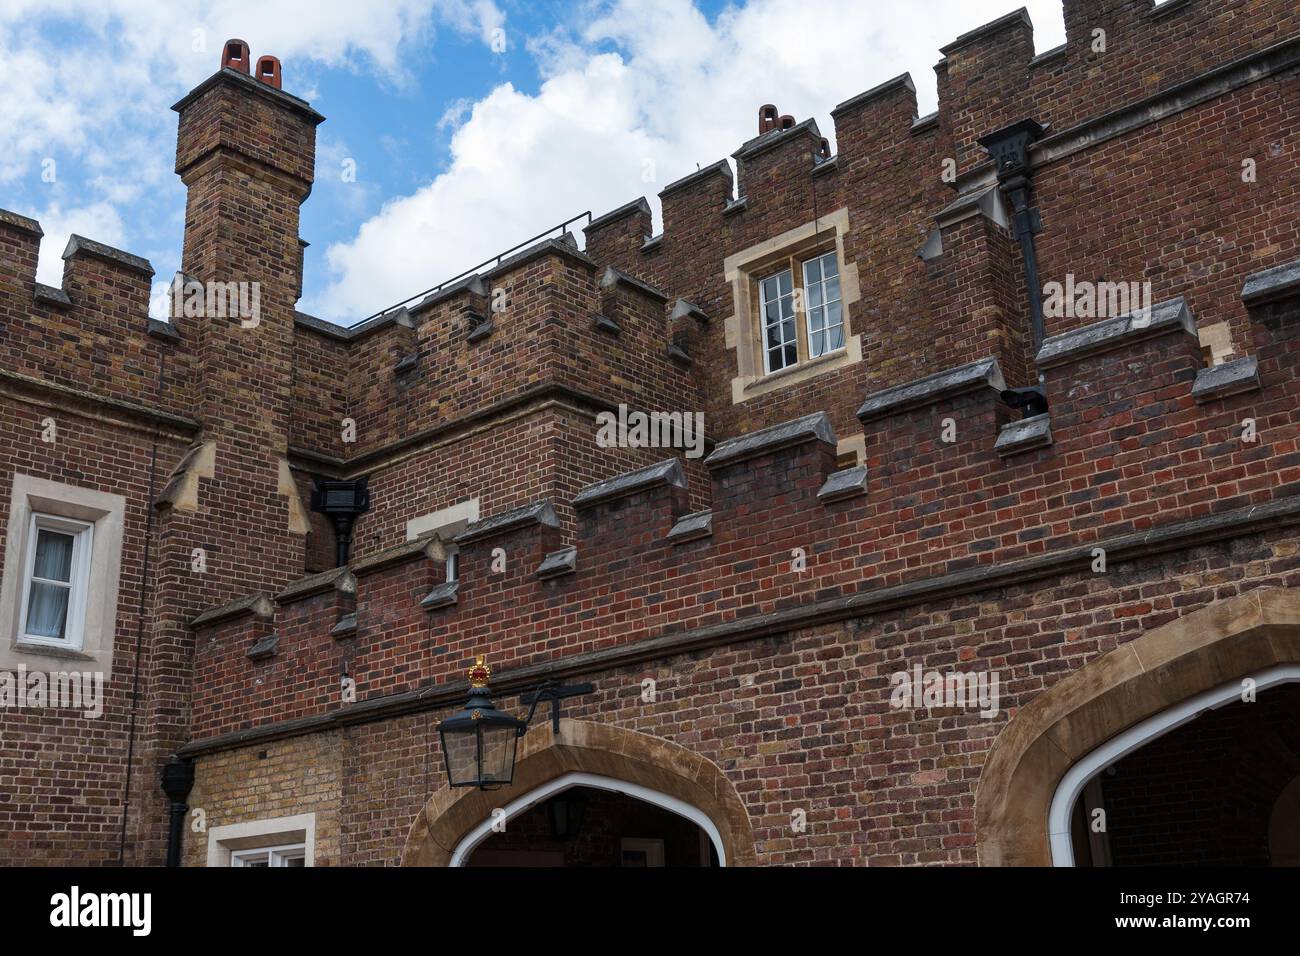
(593, 755)
(1112, 706)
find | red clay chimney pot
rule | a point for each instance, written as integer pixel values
(234, 54)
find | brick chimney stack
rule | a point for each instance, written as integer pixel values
(246, 152)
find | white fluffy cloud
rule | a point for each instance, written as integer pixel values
(89, 82)
(634, 97)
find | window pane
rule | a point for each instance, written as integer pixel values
(773, 336)
(833, 316)
(812, 271)
(772, 311)
(829, 266)
(832, 289)
(53, 556)
(769, 289)
(791, 354)
(835, 336)
(814, 295)
(787, 282)
(295, 861)
(47, 610)
(817, 342)
(775, 361)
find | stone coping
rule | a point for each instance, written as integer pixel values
(81, 246)
(1222, 381)
(442, 595)
(1024, 435)
(973, 376)
(23, 223)
(557, 563)
(425, 546)
(163, 330)
(776, 137)
(815, 427)
(346, 626)
(683, 309)
(264, 647)
(720, 168)
(256, 605)
(668, 472)
(692, 527)
(614, 277)
(844, 484)
(1165, 317)
(154, 416)
(901, 82)
(622, 212)
(53, 296)
(336, 579)
(230, 75)
(538, 513)
(993, 26)
(1280, 282)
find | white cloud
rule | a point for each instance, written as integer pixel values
(99, 221)
(634, 86)
(89, 82)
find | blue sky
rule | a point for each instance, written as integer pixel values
(461, 148)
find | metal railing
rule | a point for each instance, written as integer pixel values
(496, 260)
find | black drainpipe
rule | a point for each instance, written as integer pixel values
(1009, 148)
(177, 780)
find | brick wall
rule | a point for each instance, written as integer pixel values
(791, 707)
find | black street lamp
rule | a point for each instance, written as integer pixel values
(479, 743)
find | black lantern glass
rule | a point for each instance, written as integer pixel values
(478, 743)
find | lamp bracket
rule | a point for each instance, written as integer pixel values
(554, 692)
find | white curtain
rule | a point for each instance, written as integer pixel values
(47, 605)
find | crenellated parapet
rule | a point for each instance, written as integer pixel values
(545, 319)
(93, 333)
(913, 205)
(1132, 461)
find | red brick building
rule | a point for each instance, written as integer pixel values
(937, 589)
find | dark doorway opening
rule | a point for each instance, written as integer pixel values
(587, 827)
(1221, 790)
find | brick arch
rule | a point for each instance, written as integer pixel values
(1225, 641)
(592, 748)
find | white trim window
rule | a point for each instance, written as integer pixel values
(821, 283)
(293, 854)
(56, 581)
(776, 306)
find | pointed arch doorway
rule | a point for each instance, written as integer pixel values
(1124, 698)
(610, 762)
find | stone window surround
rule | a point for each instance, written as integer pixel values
(744, 269)
(106, 512)
(256, 834)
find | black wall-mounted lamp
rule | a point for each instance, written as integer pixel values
(479, 743)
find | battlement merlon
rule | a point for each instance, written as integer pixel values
(790, 536)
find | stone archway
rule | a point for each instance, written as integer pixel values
(1229, 639)
(590, 748)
